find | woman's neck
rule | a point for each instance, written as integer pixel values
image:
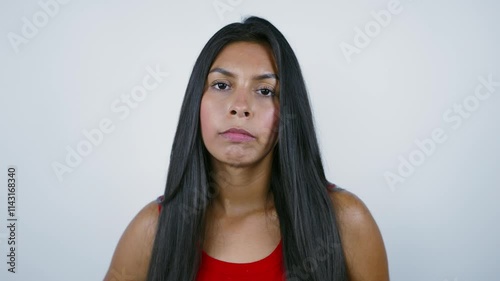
(241, 190)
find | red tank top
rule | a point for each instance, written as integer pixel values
(269, 268)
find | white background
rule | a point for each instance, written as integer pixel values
(440, 224)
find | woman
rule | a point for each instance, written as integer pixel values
(246, 196)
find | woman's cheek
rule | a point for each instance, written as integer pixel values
(271, 121)
(275, 117)
(205, 121)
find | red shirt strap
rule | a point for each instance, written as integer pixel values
(159, 200)
(331, 186)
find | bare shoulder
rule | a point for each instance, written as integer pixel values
(362, 242)
(132, 254)
(350, 209)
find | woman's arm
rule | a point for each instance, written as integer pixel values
(130, 260)
(362, 242)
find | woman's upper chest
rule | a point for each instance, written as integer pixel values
(242, 239)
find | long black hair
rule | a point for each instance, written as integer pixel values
(311, 242)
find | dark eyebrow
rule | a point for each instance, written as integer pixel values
(258, 77)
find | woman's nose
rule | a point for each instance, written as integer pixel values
(240, 104)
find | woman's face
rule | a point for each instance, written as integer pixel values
(241, 92)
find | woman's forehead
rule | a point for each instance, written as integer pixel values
(245, 56)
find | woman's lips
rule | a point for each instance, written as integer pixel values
(238, 135)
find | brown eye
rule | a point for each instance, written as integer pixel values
(220, 86)
(267, 92)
